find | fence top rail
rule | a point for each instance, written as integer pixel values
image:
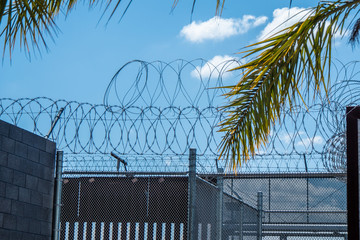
(123, 174)
(306, 211)
(225, 175)
(279, 175)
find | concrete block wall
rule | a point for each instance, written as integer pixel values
(26, 184)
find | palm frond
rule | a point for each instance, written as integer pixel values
(218, 10)
(354, 37)
(299, 55)
(28, 21)
(2, 8)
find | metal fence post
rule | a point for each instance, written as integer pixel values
(58, 189)
(260, 214)
(241, 227)
(220, 202)
(192, 195)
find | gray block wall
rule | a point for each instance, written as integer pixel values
(26, 184)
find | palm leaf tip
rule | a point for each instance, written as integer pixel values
(354, 37)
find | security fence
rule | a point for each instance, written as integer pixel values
(149, 207)
(191, 205)
(180, 205)
(124, 208)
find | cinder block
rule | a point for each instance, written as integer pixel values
(15, 162)
(47, 173)
(12, 191)
(24, 195)
(17, 208)
(42, 237)
(15, 133)
(23, 224)
(28, 236)
(15, 235)
(39, 212)
(7, 144)
(45, 228)
(6, 174)
(44, 186)
(47, 159)
(21, 149)
(4, 130)
(1, 219)
(48, 201)
(36, 198)
(33, 154)
(3, 157)
(2, 189)
(19, 179)
(5, 205)
(30, 210)
(39, 142)
(50, 147)
(35, 226)
(4, 234)
(28, 138)
(31, 182)
(45, 214)
(9, 222)
(31, 168)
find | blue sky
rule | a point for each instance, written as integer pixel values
(86, 53)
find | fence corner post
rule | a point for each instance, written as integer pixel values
(192, 195)
(260, 214)
(57, 196)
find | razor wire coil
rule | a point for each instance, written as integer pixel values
(156, 118)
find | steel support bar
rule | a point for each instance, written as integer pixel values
(58, 189)
(192, 195)
(313, 228)
(54, 122)
(260, 215)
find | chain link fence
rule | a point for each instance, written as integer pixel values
(150, 207)
(191, 205)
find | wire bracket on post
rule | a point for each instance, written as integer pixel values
(54, 122)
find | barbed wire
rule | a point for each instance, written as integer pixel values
(150, 117)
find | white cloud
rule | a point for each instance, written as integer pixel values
(286, 138)
(218, 28)
(216, 66)
(283, 18)
(307, 142)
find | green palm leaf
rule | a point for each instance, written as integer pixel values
(297, 56)
(27, 21)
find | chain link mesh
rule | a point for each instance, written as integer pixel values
(307, 206)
